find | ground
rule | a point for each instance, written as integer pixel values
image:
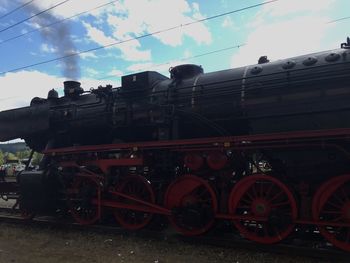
(29, 244)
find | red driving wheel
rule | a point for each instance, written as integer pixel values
(332, 204)
(267, 207)
(137, 187)
(193, 204)
(81, 195)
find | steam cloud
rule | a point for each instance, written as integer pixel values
(59, 37)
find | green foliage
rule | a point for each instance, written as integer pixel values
(20, 155)
(23, 154)
(2, 157)
(37, 158)
(10, 156)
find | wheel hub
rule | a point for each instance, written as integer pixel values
(260, 207)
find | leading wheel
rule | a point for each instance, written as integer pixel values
(193, 204)
(266, 206)
(333, 205)
(136, 187)
(82, 196)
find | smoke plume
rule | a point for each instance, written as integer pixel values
(59, 38)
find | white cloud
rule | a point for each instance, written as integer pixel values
(47, 48)
(289, 10)
(187, 53)
(75, 7)
(26, 85)
(279, 40)
(131, 52)
(88, 55)
(127, 19)
(91, 71)
(162, 68)
(98, 35)
(140, 67)
(228, 22)
(130, 49)
(139, 17)
(285, 29)
(115, 72)
(283, 8)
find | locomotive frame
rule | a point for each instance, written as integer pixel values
(205, 186)
(277, 164)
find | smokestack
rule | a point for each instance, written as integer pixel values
(72, 88)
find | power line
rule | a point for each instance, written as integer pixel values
(55, 23)
(139, 37)
(339, 19)
(182, 59)
(17, 8)
(37, 14)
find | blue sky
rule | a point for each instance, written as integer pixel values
(279, 30)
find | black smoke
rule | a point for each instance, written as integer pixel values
(59, 38)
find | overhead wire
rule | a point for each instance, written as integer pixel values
(200, 55)
(35, 15)
(182, 59)
(56, 22)
(16, 9)
(138, 37)
(338, 20)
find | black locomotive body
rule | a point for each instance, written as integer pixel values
(303, 93)
(265, 146)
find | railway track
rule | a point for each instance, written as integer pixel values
(303, 248)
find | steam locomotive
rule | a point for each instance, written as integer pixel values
(265, 147)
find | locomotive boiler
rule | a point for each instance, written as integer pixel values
(302, 93)
(264, 146)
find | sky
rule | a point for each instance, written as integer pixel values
(138, 36)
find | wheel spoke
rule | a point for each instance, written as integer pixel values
(332, 205)
(273, 198)
(80, 200)
(193, 210)
(276, 196)
(286, 203)
(139, 188)
(254, 190)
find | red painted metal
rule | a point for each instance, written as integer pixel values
(332, 203)
(215, 142)
(194, 161)
(263, 196)
(104, 164)
(147, 205)
(190, 192)
(136, 207)
(326, 186)
(140, 188)
(216, 160)
(321, 223)
(252, 206)
(83, 191)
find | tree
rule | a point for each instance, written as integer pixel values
(23, 154)
(10, 156)
(36, 158)
(2, 157)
